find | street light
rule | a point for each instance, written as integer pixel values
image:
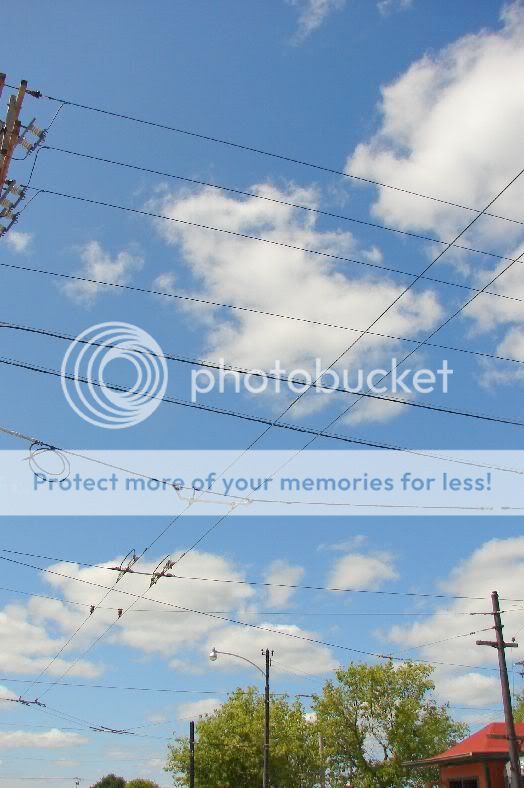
(213, 656)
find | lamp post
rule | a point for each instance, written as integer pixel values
(213, 656)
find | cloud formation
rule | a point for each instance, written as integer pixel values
(362, 570)
(451, 126)
(497, 564)
(18, 241)
(98, 264)
(282, 280)
(53, 739)
(312, 14)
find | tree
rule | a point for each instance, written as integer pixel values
(229, 745)
(142, 784)
(111, 781)
(519, 708)
(374, 718)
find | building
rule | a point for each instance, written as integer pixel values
(479, 761)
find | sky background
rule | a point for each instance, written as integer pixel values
(419, 95)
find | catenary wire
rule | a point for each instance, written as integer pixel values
(236, 498)
(250, 625)
(236, 581)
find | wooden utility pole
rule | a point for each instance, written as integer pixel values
(501, 646)
(321, 759)
(10, 133)
(265, 779)
(191, 754)
(11, 194)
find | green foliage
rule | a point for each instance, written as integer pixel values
(142, 784)
(519, 708)
(229, 751)
(111, 781)
(374, 718)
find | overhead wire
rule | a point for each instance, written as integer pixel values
(252, 149)
(253, 310)
(389, 307)
(431, 407)
(270, 241)
(251, 625)
(275, 200)
(270, 423)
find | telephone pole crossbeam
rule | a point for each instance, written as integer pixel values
(501, 646)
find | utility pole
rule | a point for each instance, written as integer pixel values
(321, 759)
(10, 137)
(265, 780)
(10, 133)
(191, 754)
(501, 646)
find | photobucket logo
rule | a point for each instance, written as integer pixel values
(391, 381)
(86, 381)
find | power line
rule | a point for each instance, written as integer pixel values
(116, 687)
(253, 583)
(250, 625)
(236, 581)
(252, 418)
(259, 151)
(254, 195)
(277, 501)
(287, 612)
(269, 376)
(271, 242)
(252, 310)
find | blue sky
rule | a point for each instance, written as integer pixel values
(414, 94)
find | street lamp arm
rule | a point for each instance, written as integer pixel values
(245, 659)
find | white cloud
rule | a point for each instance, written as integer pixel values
(362, 570)
(497, 564)
(173, 635)
(281, 571)
(197, 708)
(451, 127)
(6, 694)
(98, 264)
(168, 634)
(374, 411)
(390, 6)
(312, 14)
(18, 241)
(27, 648)
(290, 654)
(470, 689)
(52, 739)
(343, 547)
(240, 271)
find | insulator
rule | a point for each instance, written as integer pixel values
(35, 130)
(25, 144)
(6, 203)
(6, 214)
(14, 188)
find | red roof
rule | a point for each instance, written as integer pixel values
(487, 742)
